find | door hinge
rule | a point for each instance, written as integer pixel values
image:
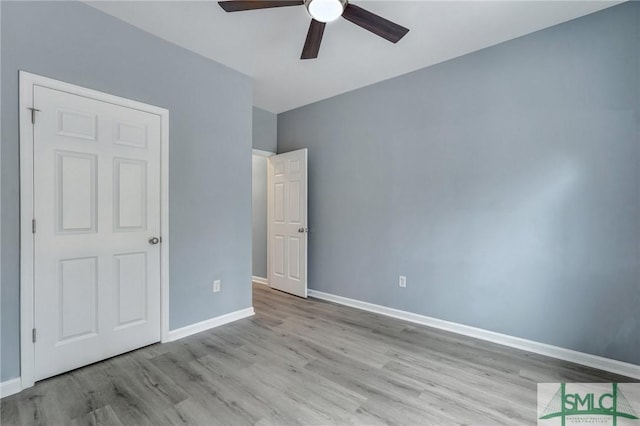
(33, 335)
(33, 226)
(33, 114)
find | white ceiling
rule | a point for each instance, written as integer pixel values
(266, 44)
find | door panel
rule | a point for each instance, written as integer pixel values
(294, 203)
(76, 124)
(131, 134)
(96, 203)
(76, 192)
(78, 290)
(294, 258)
(131, 288)
(130, 198)
(287, 204)
(278, 255)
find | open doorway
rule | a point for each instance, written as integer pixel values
(279, 191)
(260, 162)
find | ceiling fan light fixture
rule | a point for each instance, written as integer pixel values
(325, 10)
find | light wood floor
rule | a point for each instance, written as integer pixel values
(302, 362)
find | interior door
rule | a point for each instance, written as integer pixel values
(287, 204)
(97, 212)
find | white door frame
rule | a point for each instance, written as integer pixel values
(262, 153)
(27, 82)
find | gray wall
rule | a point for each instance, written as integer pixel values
(504, 184)
(259, 207)
(210, 141)
(265, 131)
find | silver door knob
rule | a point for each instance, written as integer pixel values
(154, 240)
(302, 230)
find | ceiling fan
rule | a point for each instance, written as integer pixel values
(323, 11)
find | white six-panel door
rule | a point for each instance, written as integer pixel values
(96, 205)
(287, 211)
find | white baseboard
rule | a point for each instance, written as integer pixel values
(594, 361)
(198, 327)
(10, 387)
(260, 280)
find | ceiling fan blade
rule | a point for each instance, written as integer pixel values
(374, 23)
(314, 38)
(240, 5)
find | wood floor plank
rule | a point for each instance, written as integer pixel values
(9, 412)
(317, 386)
(298, 403)
(302, 361)
(103, 416)
(347, 344)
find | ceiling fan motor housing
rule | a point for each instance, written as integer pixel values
(325, 10)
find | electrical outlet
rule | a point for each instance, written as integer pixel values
(216, 286)
(402, 282)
